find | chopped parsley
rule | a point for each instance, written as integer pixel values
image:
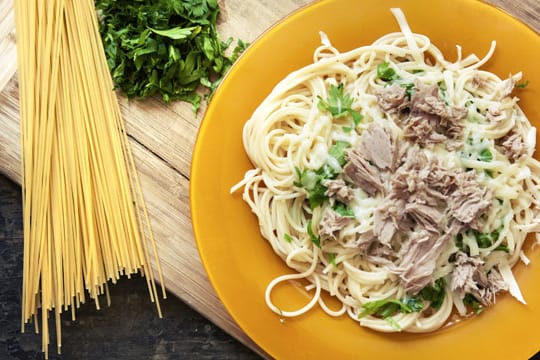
(413, 303)
(337, 151)
(471, 301)
(387, 307)
(386, 72)
(312, 181)
(332, 259)
(484, 240)
(485, 155)
(288, 238)
(434, 293)
(503, 248)
(339, 105)
(170, 48)
(316, 240)
(523, 85)
(342, 209)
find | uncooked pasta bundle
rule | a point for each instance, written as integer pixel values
(85, 220)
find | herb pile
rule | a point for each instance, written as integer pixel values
(166, 47)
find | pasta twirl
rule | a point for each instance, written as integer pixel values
(399, 182)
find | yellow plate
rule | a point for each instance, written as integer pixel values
(240, 263)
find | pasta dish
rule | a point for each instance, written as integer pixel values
(401, 183)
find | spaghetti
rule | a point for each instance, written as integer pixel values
(85, 220)
(399, 182)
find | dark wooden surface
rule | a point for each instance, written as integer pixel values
(128, 329)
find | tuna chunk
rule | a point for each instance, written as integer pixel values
(379, 146)
(361, 173)
(388, 218)
(469, 200)
(420, 131)
(413, 199)
(392, 98)
(339, 190)
(443, 119)
(468, 277)
(419, 256)
(372, 250)
(513, 146)
(332, 223)
(430, 218)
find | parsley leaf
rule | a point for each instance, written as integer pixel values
(502, 248)
(434, 293)
(386, 72)
(339, 104)
(314, 239)
(471, 301)
(169, 48)
(312, 181)
(337, 151)
(484, 240)
(343, 209)
(332, 259)
(388, 307)
(178, 33)
(485, 155)
(393, 323)
(523, 85)
(288, 238)
(413, 303)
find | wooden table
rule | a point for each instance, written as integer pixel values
(162, 138)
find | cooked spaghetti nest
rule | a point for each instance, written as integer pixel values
(399, 182)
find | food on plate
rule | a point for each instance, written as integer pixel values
(400, 182)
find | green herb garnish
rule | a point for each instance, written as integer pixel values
(484, 240)
(169, 47)
(332, 259)
(523, 85)
(288, 238)
(314, 239)
(337, 151)
(471, 301)
(434, 293)
(312, 181)
(485, 155)
(388, 307)
(339, 105)
(343, 209)
(386, 72)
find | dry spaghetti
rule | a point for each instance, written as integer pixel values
(85, 220)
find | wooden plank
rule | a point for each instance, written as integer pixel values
(162, 137)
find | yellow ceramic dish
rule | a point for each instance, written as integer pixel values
(240, 263)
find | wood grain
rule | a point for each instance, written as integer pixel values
(162, 137)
